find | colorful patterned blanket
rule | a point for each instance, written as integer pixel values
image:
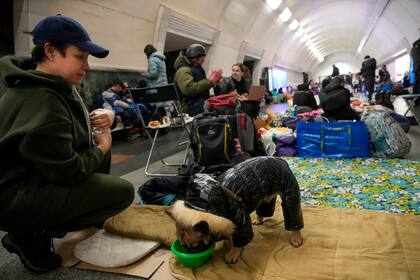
(391, 185)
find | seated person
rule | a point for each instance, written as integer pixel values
(335, 101)
(304, 97)
(398, 89)
(238, 84)
(113, 101)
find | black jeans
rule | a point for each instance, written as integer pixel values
(370, 86)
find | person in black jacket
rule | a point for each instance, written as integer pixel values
(335, 72)
(237, 83)
(384, 75)
(368, 72)
(304, 97)
(415, 55)
(335, 101)
(220, 208)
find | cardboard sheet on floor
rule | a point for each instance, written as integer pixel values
(338, 244)
(145, 267)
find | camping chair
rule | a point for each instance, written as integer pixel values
(411, 102)
(154, 95)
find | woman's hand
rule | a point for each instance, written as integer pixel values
(103, 140)
(101, 118)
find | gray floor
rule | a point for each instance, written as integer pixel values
(11, 268)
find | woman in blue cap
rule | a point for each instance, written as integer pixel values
(54, 169)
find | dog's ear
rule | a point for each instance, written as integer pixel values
(202, 227)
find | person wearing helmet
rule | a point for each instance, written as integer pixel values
(53, 169)
(191, 80)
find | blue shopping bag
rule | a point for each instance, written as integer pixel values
(332, 140)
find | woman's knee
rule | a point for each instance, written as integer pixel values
(114, 189)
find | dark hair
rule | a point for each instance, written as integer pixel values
(338, 80)
(149, 49)
(118, 82)
(367, 56)
(38, 52)
(303, 87)
(325, 82)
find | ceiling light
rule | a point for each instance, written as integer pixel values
(286, 14)
(304, 37)
(294, 24)
(299, 32)
(273, 4)
(308, 42)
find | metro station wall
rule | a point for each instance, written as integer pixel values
(346, 62)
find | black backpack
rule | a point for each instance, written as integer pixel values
(212, 139)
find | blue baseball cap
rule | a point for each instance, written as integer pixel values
(62, 29)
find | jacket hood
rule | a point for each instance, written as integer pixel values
(158, 55)
(332, 87)
(16, 71)
(181, 60)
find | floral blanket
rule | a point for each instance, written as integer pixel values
(391, 185)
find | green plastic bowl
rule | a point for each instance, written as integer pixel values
(192, 260)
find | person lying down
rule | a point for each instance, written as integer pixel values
(219, 208)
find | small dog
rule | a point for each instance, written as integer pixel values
(216, 209)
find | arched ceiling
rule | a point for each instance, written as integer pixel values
(334, 26)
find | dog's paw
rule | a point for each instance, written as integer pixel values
(233, 255)
(296, 239)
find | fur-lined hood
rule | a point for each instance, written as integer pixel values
(189, 217)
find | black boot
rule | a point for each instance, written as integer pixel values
(34, 251)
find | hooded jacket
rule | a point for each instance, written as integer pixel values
(156, 71)
(44, 130)
(304, 98)
(191, 81)
(251, 181)
(369, 68)
(335, 101)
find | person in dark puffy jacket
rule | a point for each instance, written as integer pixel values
(415, 55)
(335, 101)
(368, 72)
(219, 208)
(304, 97)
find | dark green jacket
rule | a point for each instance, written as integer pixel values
(44, 135)
(184, 79)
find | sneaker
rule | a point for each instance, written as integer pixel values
(34, 251)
